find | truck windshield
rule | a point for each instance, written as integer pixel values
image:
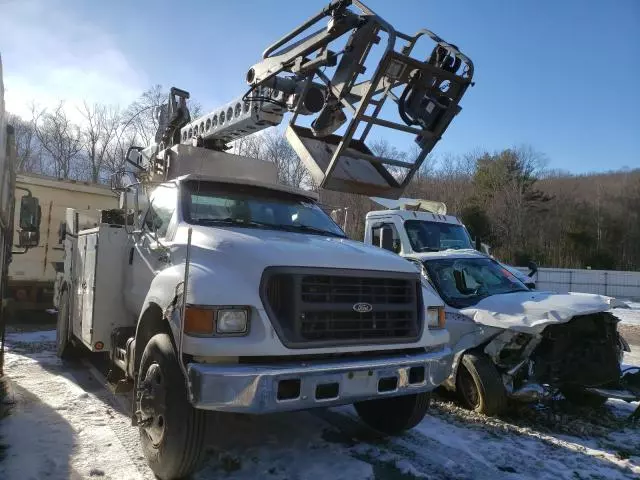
(463, 282)
(208, 203)
(426, 236)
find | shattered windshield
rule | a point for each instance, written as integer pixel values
(426, 236)
(208, 203)
(463, 282)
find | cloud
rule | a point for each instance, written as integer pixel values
(49, 54)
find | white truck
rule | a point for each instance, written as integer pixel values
(28, 224)
(232, 293)
(418, 226)
(509, 342)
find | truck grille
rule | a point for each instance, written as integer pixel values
(319, 307)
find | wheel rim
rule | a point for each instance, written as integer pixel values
(151, 404)
(468, 389)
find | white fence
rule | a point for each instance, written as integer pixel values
(604, 282)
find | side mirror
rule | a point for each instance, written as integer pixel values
(533, 268)
(28, 239)
(386, 238)
(478, 243)
(30, 214)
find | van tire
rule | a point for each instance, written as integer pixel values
(65, 349)
(173, 442)
(394, 415)
(479, 385)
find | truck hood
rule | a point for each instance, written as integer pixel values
(531, 312)
(261, 248)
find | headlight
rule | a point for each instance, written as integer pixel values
(210, 321)
(232, 321)
(435, 317)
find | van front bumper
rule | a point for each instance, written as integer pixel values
(244, 388)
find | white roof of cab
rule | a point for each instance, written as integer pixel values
(450, 253)
(414, 215)
(245, 181)
(417, 204)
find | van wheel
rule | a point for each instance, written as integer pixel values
(65, 348)
(172, 432)
(394, 415)
(580, 397)
(479, 385)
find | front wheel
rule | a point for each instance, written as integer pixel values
(479, 385)
(172, 432)
(394, 415)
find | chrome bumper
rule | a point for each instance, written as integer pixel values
(273, 388)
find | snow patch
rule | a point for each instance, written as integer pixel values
(31, 337)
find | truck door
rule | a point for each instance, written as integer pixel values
(77, 282)
(375, 235)
(88, 286)
(148, 254)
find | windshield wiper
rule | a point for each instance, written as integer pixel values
(310, 229)
(232, 221)
(429, 249)
(253, 223)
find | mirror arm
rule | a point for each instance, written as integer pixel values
(29, 194)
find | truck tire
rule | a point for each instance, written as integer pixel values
(394, 415)
(172, 432)
(64, 347)
(580, 397)
(479, 385)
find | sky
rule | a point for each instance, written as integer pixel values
(559, 76)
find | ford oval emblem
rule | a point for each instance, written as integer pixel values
(362, 307)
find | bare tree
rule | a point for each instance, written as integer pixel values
(60, 138)
(28, 148)
(98, 130)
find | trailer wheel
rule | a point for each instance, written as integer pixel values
(65, 348)
(172, 432)
(580, 397)
(394, 415)
(479, 385)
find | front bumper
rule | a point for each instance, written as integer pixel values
(273, 388)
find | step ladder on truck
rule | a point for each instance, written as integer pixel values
(233, 293)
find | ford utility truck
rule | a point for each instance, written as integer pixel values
(215, 289)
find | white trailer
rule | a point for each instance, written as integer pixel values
(28, 213)
(233, 293)
(32, 274)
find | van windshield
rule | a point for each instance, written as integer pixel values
(426, 236)
(212, 203)
(463, 282)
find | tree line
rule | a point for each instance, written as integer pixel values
(509, 198)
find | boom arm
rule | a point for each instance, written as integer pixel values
(324, 74)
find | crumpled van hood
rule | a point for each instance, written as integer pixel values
(531, 312)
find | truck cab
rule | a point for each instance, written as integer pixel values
(419, 227)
